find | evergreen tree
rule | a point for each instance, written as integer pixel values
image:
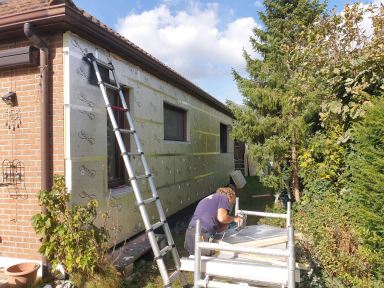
(366, 163)
(278, 112)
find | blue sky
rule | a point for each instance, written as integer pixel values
(201, 40)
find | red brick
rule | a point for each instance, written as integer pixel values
(19, 240)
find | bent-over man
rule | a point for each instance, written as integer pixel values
(213, 212)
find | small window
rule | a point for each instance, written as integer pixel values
(104, 74)
(117, 174)
(175, 123)
(223, 138)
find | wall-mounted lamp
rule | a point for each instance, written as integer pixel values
(10, 99)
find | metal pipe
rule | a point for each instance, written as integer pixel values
(291, 258)
(44, 94)
(33, 38)
(196, 275)
(240, 249)
(263, 214)
(289, 205)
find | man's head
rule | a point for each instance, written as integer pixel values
(227, 191)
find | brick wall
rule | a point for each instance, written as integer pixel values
(18, 239)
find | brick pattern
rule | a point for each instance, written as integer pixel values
(18, 238)
(8, 7)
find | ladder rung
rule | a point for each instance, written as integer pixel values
(133, 154)
(156, 225)
(110, 86)
(127, 131)
(140, 177)
(164, 251)
(147, 201)
(174, 276)
(119, 108)
(104, 64)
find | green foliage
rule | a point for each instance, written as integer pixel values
(366, 179)
(334, 242)
(323, 160)
(366, 166)
(307, 96)
(275, 120)
(347, 247)
(69, 235)
(146, 275)
(108, 277)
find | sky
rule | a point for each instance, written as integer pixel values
(201, 40)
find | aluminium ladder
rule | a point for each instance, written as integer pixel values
(171, 247)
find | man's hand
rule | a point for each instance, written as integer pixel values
(224, 218)
(240, 220)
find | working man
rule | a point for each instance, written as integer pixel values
(213, 212)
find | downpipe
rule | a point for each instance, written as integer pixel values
(44, 94)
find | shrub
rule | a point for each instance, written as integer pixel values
(70, 237)
(334, 242)
(366, 181)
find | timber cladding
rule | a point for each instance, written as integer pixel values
(20, 139)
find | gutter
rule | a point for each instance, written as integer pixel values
(44, 93)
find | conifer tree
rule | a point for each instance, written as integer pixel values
(276, 115)
(366, 164)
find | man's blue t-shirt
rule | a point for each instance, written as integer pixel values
(206, 211)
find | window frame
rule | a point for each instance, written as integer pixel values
(224, 138)
(121, 178)
(167, 106)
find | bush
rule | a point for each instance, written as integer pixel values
(335, 243)
(70, 237)
(366, 181)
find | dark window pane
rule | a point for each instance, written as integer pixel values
(174, 123)
(223, 138)
(117, 174)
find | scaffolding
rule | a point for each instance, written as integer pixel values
(245, 270)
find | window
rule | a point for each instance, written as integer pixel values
(223, 138)
(117, 174)
(175, 123)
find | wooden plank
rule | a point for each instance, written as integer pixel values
(132, 250)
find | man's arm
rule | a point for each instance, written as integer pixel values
(224, 218)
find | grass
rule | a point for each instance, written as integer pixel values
(146, 274)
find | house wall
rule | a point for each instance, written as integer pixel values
(18, 203)
(183, 172)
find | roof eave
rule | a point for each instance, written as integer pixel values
(60, 18)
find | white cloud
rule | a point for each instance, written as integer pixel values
(191, 41)
(366, 24)
(258, 3)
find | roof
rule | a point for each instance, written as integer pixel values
(63, 15)
(16, 6)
